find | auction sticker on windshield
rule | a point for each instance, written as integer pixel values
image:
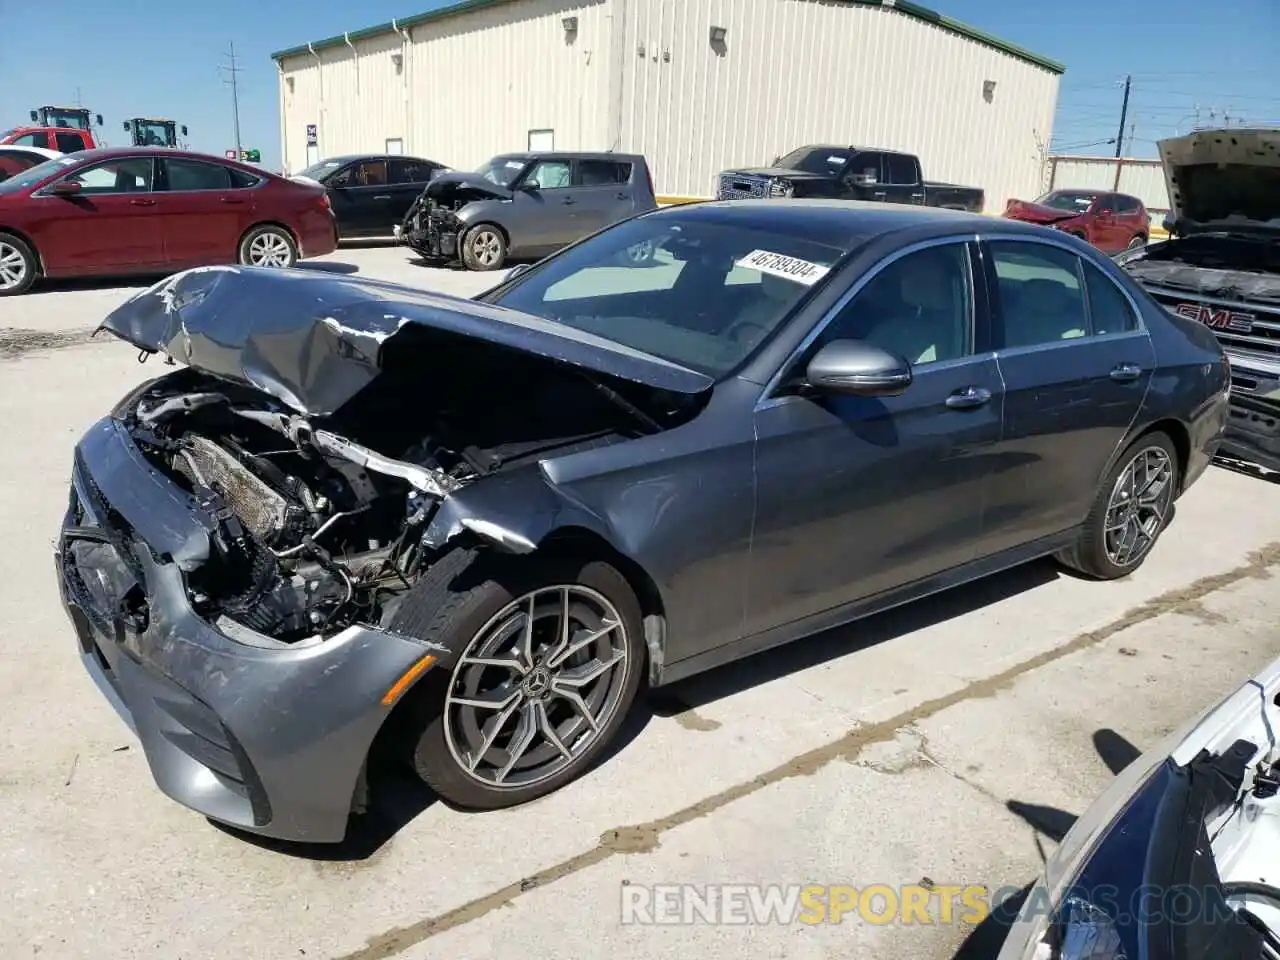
(780, 265)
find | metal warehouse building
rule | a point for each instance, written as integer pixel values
(695, 85)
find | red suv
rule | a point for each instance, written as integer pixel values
(138, 210)
(1110, 221)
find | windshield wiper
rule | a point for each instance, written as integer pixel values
(623, 403)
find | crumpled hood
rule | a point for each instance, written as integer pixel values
(1029, 212)
(314, 340)
(1223, 181)
(447, 183)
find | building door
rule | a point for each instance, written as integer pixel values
(395, 146)
(542, 141)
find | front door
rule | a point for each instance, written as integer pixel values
(544, 210)
(362, 199)
(856, 495)
(110, 226)
(1076, 364)
(202, 215)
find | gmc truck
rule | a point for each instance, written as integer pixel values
(1221, 267)
(846, 173)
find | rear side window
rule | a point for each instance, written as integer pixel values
(70, 142)
(409, 171)
(193, 175)
(1126, 205)
(1109, 309)
(370, 173)
(240, 180)
(595, 173)
(899, 169)
(1041, 301)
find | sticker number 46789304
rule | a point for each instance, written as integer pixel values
(780, 265)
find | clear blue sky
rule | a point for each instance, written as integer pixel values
(146, 57)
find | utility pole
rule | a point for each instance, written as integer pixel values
(1124, 113)
(233, 69)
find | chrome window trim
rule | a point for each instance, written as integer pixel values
(764, 400)
(1052, 241)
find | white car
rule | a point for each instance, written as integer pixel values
(1177, 859)
(15, 159)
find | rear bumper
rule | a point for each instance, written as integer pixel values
(263, 736)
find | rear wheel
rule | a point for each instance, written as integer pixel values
(484, 247)
(548, 656)
(268, 246)
(1132, 508)
(1138, 241)
(18, 266)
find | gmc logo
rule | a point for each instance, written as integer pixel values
(1216, 318)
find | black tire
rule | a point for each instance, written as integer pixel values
(18, 266)
(1138, 241)
(1091, 554)
(484, 247)
(453, 603)
(268, 246)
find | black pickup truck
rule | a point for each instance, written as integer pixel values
(846, 173)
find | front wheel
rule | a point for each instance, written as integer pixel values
(268, 246)
(484, 248)
(549, 657)
(1136, 242)
(1132, 508)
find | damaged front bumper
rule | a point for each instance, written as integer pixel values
(267, 737)
(431, 231)
(1253, 424)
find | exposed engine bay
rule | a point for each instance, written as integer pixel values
(432, 227)
(318, 520)
(1233, 267)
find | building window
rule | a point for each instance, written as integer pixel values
(542, 141)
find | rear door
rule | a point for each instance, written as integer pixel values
(110, 226)
(603, 194)
(901, 182)
(1076, 364)
(407, 179)
(202, 212)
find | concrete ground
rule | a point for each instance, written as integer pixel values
(952, 740)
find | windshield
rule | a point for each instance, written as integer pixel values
(154, 133)
(33, 175)
(698, 292)
(71, 119)
(503, 170)
(1068, 200)
(826, 161)
(318, 171)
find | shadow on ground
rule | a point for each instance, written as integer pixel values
(328, 266)
(986, 939)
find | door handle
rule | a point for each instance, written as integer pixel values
(880, 194)
(1126, 372)
(142, 203)
(234, 200)
(383, 196)
(568, 200)
(966, 398)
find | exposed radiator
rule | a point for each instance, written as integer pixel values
(263, 511)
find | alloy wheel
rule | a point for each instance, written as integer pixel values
(1139, 503)
(269, 250)
(13, 266)
(535, 687)
(486, 248)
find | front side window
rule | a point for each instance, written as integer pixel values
(409, 171)
(130, 175)
(1040, 297)
(705, 295)
(193, 175)
(549, 175)
(919, 307)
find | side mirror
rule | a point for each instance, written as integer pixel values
(858, 369)
(99, 119)
(515, 271)
(65, 188)
(35, 117)
(125, 125)
(184, 131)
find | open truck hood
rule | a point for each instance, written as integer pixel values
(314, 340)
(1223, 181)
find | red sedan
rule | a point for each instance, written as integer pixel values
(152, 210)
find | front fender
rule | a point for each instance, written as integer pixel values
(483, 211)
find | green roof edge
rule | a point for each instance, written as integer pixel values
(901, 6)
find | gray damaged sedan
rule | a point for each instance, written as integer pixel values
(360, 514)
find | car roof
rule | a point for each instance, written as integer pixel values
(106, 153)
(570, 155)
(348, 157)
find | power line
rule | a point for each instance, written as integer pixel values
(233, 71)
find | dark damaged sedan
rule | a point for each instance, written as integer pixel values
(362, 515)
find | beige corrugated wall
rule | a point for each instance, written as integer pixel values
(792, 72)
(467, 87)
